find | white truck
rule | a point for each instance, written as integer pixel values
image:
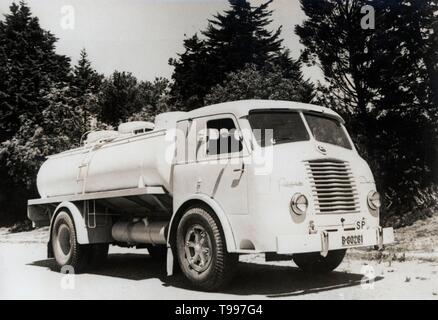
(200, 188)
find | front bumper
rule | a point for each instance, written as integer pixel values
(325, 241)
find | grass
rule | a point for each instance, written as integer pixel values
(417, 241)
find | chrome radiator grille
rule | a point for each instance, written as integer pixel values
(333, 186)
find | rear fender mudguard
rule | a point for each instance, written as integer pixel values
(78, 220)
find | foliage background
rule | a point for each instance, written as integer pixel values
(383, 81)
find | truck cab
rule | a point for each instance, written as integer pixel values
(286, 177)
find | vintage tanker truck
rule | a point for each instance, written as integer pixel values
(200, 188)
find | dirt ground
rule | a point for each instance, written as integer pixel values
(406, 270)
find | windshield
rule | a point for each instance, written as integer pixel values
(285, 126)
(276, 127)
(327, 130)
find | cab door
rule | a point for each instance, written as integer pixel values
(220, 157)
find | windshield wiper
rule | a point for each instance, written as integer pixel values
(283, 139)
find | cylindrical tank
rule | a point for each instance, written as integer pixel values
(141, 231)
(127, 161)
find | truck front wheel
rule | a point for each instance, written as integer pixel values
(314, 262)
(66, 250)
(201, 250)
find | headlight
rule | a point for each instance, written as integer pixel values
(374, 200)
(299, 203)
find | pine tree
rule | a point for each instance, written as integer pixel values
(408, 39)
(405, 77)
(380, 80)
(422, 18)
(254, 83)
(29, 66)
(85, 78)
(239, 36)
(232, 40)
(333, 39)
(120, 97)
(29, 69)
(192, 76)
(86, 83)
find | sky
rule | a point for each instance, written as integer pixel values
(140, 36)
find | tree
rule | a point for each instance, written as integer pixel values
(155, 96)
(239, 37)
(418, 21)
(119, 98)
(406, 41)
(192, 75)
(333, 39)
(29, 68)
(58, 129)
(380, 80)
(122, 97)
(404, 76)
(86, 84)
(371, 71)
(28, 65)
(252, 83)
(232, 40)
(85, 78)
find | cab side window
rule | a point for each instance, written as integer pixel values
(221, 137)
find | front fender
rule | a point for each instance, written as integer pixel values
(223, 219)
(225, 224)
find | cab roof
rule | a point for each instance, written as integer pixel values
(242, 107)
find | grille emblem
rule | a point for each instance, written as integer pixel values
(321, 149)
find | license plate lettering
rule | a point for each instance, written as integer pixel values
(352, 240)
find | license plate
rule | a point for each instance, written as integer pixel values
(353, 240)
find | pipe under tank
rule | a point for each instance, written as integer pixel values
(141, 231)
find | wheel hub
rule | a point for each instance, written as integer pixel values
(64, 239)
(62, 244)
(198, 248)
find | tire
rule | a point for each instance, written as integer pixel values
(66, 250)
(157, 252)
(313, 262)
(201, 250)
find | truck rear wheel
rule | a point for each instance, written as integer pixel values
(314, 262)
(201, 250)
(66, 249)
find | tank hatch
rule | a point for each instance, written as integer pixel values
(135, 127)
